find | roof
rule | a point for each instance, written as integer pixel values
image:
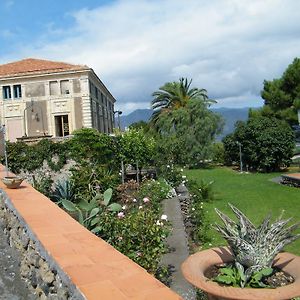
(33, 66)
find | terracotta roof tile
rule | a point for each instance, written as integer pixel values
(36, 66)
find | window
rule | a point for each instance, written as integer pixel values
(54, 88)
(65, 87)
(17, 91)
(6, 92)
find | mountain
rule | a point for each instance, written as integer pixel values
(230, 116)
(135, 116)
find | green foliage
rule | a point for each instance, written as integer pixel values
(29, 158)
(172, 174)
(267, 144)
(87, 177)
(254, 248)
(282, 95)
(43, 183)
(200, 192)
(90, 145)
(185, 135)
(218, 153)
(64, 189)
(138, 233)
(233, 276)
(135, 146)
(174, 95)
(88, 211)
(140, 125)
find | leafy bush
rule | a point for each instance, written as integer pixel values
(90, 145)
(267, 144)
(87, 177)
(43, 183)
(138, 233)
(202, 191)
(172, 175)
(135, 146)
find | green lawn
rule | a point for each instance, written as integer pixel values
(254, 194)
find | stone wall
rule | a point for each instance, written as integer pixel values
(43, 277)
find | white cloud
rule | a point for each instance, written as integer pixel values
(227, 46)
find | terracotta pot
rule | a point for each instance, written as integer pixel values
(195, 266)
(12, 182)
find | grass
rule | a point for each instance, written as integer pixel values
(254, 194)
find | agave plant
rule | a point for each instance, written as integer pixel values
(254, 248)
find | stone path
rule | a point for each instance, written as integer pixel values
(178, 244)
(12, 287)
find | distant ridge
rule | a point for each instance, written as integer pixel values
(230, 116)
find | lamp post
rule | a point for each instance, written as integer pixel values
(241, 160)
(119, 123)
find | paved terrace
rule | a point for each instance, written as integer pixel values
(97, 269)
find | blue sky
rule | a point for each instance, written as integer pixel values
(227, 46)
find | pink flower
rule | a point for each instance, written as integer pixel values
(145, 200)
(121, 215)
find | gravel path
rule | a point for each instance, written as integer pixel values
(12, 287)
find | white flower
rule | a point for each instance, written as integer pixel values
(183, 176)
(164, 217)
(157, 223)
(121, 215)
(140, 207)
(168, 166)
(145, 200)
(134, 200)
(181, 170)
(193, 209)
(124, 207)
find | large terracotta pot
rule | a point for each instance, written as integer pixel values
(195, 266)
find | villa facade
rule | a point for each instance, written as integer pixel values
(41, 97)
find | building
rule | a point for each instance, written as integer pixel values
(41, 97)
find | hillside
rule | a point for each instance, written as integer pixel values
(230, 115)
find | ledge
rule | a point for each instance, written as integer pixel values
(97, 270)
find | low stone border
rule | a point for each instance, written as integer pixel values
(42, 275)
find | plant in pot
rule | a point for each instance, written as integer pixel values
(252, 258)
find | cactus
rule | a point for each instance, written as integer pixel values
(254, 248)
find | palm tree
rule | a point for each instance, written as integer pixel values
(174, 95)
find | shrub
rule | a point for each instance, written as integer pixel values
(267, 144)
(87, 177)
(139, 234)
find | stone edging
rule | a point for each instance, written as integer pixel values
(43, 276)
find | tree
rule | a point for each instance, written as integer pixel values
(282, 95)
(174, 95)
(267, 144)
(186, 134)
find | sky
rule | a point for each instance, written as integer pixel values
(228, 47)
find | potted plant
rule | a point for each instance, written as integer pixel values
(252, 255)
